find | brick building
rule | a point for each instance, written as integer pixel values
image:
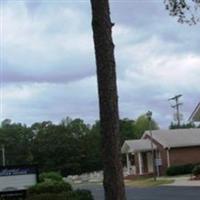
(170, 147)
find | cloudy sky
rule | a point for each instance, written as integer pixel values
(48, 65)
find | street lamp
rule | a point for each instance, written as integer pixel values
(149, 116)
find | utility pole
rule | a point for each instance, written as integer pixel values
(149, 116)
(3, 155)
(177, 107)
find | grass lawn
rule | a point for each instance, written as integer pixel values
(148, 182)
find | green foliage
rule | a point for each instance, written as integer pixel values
(196, 170)
(182, 126)
(127, 130)
(142, 124)
(16, 136)
(57, 190)
(61, 147)
(72, 195)
(83, 195)
(54, 176)
(185, 10)
(71, 147)
(50, 196)
(50, 187)
(180, 169)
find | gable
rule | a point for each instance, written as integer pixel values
(176, 137)
(196, 114)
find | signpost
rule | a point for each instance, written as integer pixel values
(15, 180)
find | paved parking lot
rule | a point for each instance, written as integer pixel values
(158, 193)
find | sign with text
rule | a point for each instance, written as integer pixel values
(158, 162)
(14, 179)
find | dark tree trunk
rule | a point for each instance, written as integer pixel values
(108, 100)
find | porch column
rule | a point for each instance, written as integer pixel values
(128, 164)
(168, 158)
(140, 162)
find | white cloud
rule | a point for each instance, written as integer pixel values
(48, 42)
(46, 101)
(21, 92)
(152, 71)
(50, 69)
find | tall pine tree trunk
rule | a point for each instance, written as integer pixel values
(108, 100)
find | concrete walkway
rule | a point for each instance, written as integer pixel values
(184, 181)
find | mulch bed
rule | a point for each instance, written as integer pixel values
(136, 176)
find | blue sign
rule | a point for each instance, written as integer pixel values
(17, 171)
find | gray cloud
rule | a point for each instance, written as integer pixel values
(151, 18)
(49, 65)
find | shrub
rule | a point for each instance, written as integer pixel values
(55, 176)
(180, 169)
(50, 187)
(84, 195)
(71, 195)
(50, 196)
(196, 170)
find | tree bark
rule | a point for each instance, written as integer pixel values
(108, 100)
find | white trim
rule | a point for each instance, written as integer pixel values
(168, 158)
(195, 116)
(140, 162)
(128, 164)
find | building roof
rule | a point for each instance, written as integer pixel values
(196, 114)
(131, 146)
(176, 137)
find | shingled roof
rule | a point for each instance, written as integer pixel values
(131, 146)
(176, 137)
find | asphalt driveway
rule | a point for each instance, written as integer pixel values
(157, 193)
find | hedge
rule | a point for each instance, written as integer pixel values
(180, 169)
(83, 195)
(56, 190)
(196, 170)
(72, 195)
(54, 176)
(50, 187)
(50, 196)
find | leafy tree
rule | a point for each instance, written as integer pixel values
(108, 101)
(6, 122)
(182, 126)
(17, 139)
(77, 128)
(92, 160)
(56, 148)
(187, 11)
(65, 121)
(127, 130)
(142, 125)
(71, 148)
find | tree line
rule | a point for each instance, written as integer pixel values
(70, 147)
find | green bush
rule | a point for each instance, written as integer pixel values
(71, 195)
(50, 196)
(83, 195)
(55, 176)
(180, 169)
(196, 170)
(50, 187)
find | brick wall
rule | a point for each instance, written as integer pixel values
(178, 156)
(163, 155)
(187, 155)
